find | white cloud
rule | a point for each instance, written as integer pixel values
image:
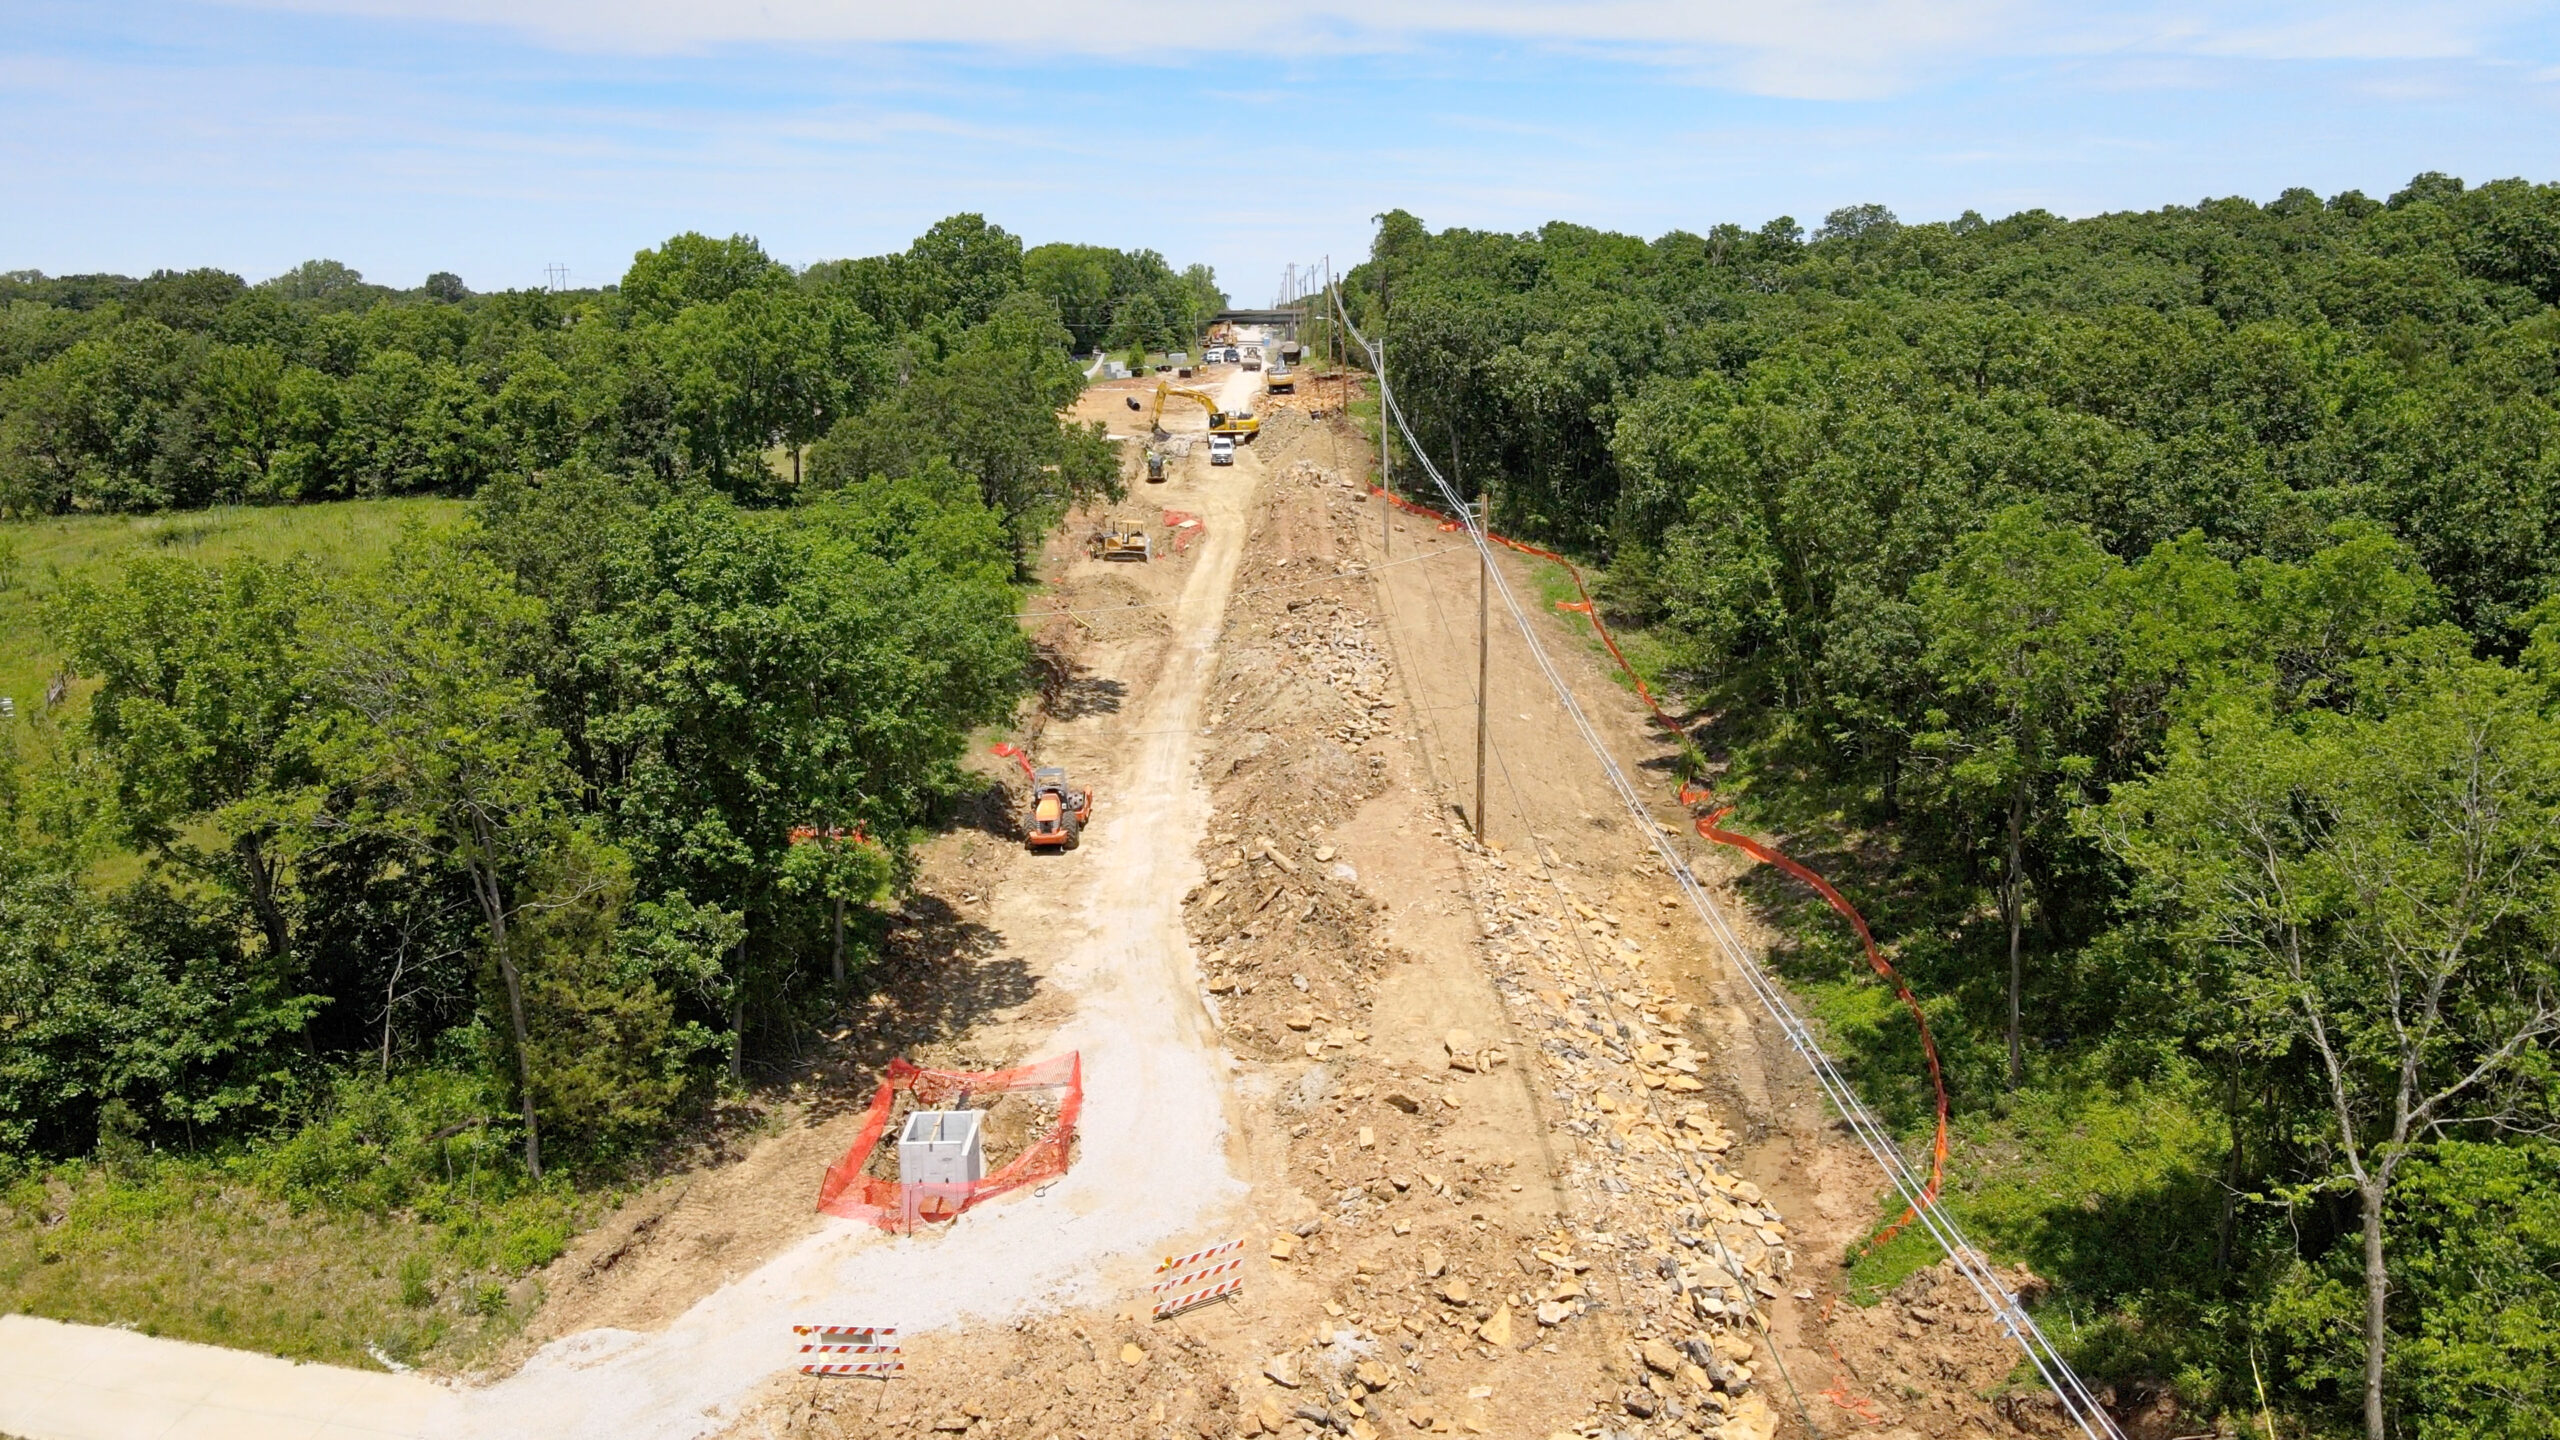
(1810, 49)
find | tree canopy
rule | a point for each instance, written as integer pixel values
(2151, 616)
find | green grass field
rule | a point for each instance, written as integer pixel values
(195, 1250)
(38, 557)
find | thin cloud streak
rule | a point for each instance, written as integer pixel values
(1826, 49)
(182, 132)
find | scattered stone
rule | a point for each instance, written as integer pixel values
(1661, 1359)
(1131, 1355)
(1749, 1419)
(1283, 1246)
(1554, 1312)
(1497, 1331)
(1403, 1102)
(1434, 1263)
(1457, 1291)
(1282, 1370)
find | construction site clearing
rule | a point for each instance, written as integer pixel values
(1382, 1130)
(1522, 1164)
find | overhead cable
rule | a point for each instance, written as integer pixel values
(2007, 1310)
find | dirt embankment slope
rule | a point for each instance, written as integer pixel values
(1520, 1163)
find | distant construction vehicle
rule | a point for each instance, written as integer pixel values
(1120, 539)
(1155, 466)
(1054, 816)
(1220, 422)
(1280, 380)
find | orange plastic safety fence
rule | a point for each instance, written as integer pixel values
(895, 1205)
(1695, 796)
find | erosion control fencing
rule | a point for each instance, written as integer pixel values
(2090, 1417)
(901, 1204)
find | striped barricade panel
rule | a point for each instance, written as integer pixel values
(862, 1367)
(1193, 1277)
(1176, 1262)
(1179, 1303)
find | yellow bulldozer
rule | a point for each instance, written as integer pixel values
(1238, 427)
(1120, 539)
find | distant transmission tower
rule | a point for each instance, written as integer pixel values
(555, 277)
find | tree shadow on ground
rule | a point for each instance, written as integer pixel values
(938, 975)
(988, 810)
(1069, 691)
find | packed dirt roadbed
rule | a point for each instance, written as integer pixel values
(1519, 1163)
(1501, 1145)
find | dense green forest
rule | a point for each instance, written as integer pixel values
(192, 388)
(422, 878)
(2151, 618)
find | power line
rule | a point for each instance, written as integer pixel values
(2091, 1417)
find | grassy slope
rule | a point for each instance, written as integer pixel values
(180, 1248)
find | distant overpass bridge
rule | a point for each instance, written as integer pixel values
(1288, 319)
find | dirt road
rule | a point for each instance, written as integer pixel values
(1509, 1151)
(1102, 925)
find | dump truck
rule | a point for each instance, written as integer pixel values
(1053, 817)
(1120, 539)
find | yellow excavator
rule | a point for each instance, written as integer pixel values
(1240, 427)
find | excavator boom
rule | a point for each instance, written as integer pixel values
(1220, 422)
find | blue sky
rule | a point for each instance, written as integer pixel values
(495, 137)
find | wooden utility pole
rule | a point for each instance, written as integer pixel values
(1386, 487)
(1484, 651)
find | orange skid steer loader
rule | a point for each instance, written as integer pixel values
(1054, 817)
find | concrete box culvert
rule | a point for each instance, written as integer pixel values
(942, 1147)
